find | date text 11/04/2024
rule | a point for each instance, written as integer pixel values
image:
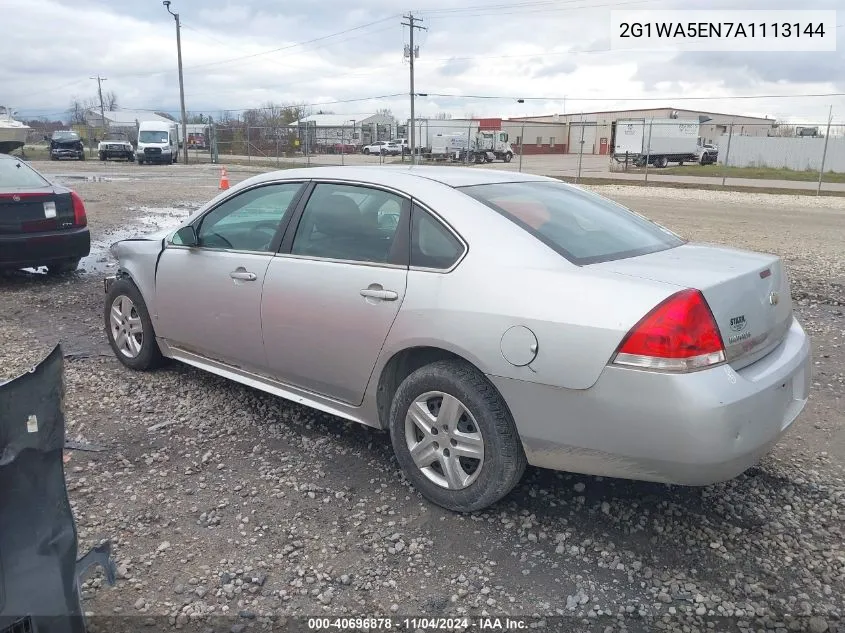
(701, 30)
(413, 624)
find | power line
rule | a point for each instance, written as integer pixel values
(677, 98)
(484, 12)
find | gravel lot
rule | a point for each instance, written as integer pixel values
(223, 501)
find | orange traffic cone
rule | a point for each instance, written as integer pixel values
(224, 179)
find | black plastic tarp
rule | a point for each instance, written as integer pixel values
(39, 571)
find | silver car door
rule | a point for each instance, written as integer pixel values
(208, 296)
(330, 300)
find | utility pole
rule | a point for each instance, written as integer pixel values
(166, 4)
(100, 81)
(411, 52)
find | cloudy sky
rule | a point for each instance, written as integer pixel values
(347, 55)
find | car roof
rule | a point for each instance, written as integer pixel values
(396, 174)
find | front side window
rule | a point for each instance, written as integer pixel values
(582, 226)
(249, 220)
(349, 223)
(432, 244)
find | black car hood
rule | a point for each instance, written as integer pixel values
(67, 143)
(39, 570)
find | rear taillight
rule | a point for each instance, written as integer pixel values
(680, 334)
(79, 217)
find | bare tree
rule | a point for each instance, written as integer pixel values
(443, 116)
(783, 130)
(110, 101)
(78, 110)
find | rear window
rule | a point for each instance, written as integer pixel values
(582, 226)
(15, 175)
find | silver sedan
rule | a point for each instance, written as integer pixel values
(487, 319)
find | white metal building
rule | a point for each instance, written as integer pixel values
(597, 129)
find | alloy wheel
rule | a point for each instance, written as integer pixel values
(126, 327)
(444, 440)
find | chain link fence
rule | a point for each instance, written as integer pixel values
(809, 157)
(806, 157)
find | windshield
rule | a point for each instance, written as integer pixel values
(65, 136)
(16, 175)
(583, 227)
(153, 136)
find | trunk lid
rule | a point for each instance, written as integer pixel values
(34, 210)
(747, 292)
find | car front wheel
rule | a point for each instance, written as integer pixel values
(129, 327)
(454, 437)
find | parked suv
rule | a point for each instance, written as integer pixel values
(707, 154)
(116, 145)
(66, 144)
(383, 147)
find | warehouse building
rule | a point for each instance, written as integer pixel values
(564, 133)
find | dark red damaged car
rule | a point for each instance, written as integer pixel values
(41, 223)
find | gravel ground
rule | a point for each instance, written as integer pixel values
(230, 506)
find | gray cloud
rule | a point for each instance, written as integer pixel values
(553, 70)
(510, 52)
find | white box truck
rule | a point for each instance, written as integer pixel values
(658, 141)
(158, 142)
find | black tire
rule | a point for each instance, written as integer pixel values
(508, 157)
(82, 156)
(366, 150)
(63, 267)
(140, 161)
(102, 156)
(150, 356)
(661, 162)
(504, 459)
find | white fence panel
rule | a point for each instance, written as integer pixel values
(800, 154)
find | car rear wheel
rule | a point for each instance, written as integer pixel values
(63, 267)
(129, 328)
(454, 437)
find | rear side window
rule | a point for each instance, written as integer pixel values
(15, 174)
(582, 226)
(432, 244)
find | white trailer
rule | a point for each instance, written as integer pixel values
(656, 141)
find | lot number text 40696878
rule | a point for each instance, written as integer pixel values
(715, 30)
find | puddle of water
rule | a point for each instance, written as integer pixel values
(148, 220)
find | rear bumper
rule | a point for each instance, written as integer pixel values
(691, 429)
(40, 249)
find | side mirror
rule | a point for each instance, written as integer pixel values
(186, 236)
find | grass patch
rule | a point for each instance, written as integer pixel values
(756, 173)
(705, 187)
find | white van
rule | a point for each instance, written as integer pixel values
(158, 142)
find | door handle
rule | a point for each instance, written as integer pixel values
(377, 293)
(243, 275)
